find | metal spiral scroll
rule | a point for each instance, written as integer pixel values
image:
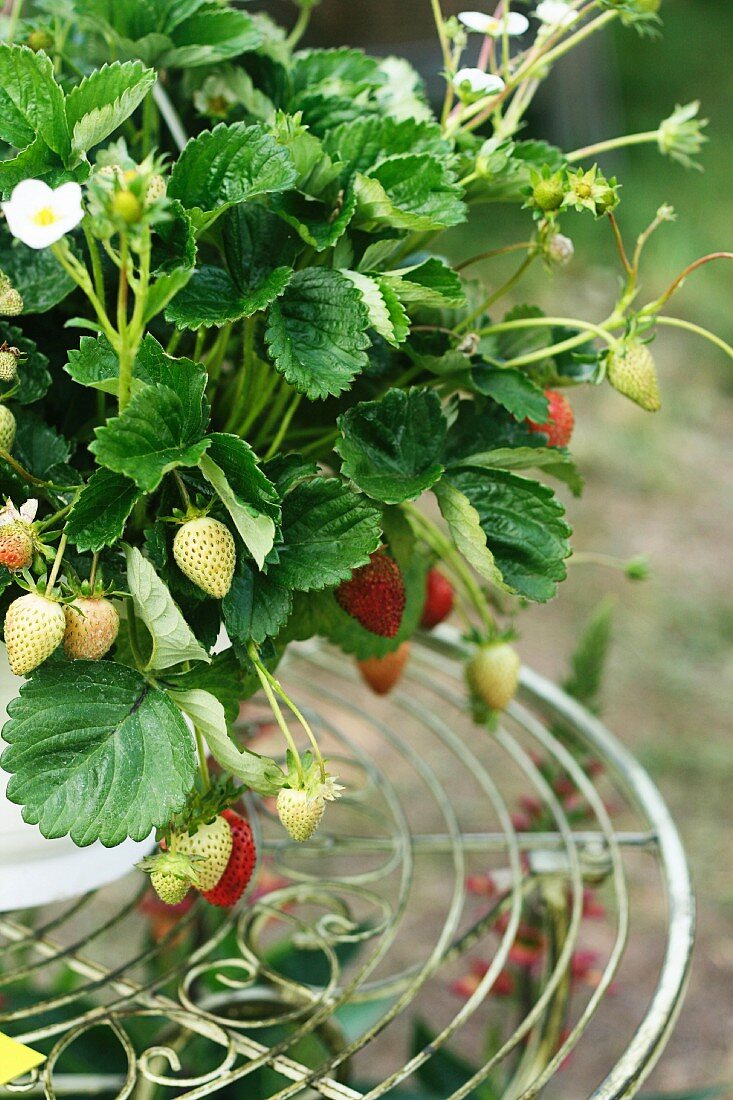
(378, 901)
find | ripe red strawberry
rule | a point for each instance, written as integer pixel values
(91, 628)
(7, 429)
(204, 550)
(240, 868)
(16, 545)
(382, 673)
(34, 627)
(210, 848)
(493, 674)
(438, 599)
(375, 595)
(300, 812)
(559, 426)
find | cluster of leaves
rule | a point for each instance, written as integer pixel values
(332, 373)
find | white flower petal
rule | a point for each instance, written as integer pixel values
(28, 510)
(482, 23)
(39, 215)
(556, 13)
(479, 82)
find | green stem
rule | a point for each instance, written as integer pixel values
(492, 252)
(504, 289)
(676, 284)
(644, 138)
(15, 15)
(125, 350)
(284, 425)
(555, 322)
(80, 275)
(308, 731)
(56, 565)
(677, 322)
(262, 675)
(203, 762)
(626, 263)
(96, 262)
(93, 571)
(301, 26)
(132, 635)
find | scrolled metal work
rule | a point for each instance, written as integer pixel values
(308, 988)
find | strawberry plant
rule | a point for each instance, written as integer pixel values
(235, 360)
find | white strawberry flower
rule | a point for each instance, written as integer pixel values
(330, 789)
(556, 13)
(11, 514)
(512, 23)
(40, 215)
(475, 83)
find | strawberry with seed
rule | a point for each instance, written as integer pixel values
(560, 421)
(493, 674)
(375, 595)
(92, 624)
(302, 804)
(17, 538)
(632, 372)
(204, 550)
(34, 628)
(8, 363)
(7, 429)
(240, 867)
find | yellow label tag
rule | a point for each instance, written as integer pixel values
(16, 1059)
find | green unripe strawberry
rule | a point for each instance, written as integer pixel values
(127, 206)
(34, 627)
(169, 887)
(493, 674)
(548, 194)
(8, 365)
(40, 40)
(204, 550)
(11, 302)
(300, 813)
(91, 628)
(633, 373)
(7, 429)
(210, 848)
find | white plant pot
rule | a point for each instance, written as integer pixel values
(35, 871)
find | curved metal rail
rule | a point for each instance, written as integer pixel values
(314, 981)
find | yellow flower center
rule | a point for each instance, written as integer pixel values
(45, 216)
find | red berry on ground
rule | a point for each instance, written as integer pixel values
(559, 426)
(375, 595)
(439, 596)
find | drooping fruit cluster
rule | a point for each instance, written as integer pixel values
(217, 857)
(632, 372)
(493, 674)
(34, 627)
(560, 420)
(375, 595)
(204, 550)
(92, 624)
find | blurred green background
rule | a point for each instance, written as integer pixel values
(658, 485)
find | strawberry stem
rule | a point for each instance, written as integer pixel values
(203, 762)
(264, 679)
(56, 565)
(309, 732)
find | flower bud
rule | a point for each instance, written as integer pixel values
(127, 207)
(560, 250)
(40, 40)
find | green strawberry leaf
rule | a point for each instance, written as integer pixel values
(464, 525)
(391, 448)
(101, 511)
(524, 525)
(31, 102)
(227, 165)
(554, 461)
(432, 284)
(96, 752)
(256, 606)
(97, 106)
(317, 333)
(414, 192)
(163, 425)
(231, 468)
(318, 222)
(210, 297)
(512, 389)
(172, 639)
(364, 144)
(387, 315)
(223, 678)
(212, 34)
(328, 531)
(259, 773)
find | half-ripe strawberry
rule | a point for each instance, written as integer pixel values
(7, 429)
(300, 812)
(382, 673)
(439, 596)
(204, 550)
(493, 674)
(91, 627)
(209, 848)
(34, 627)
(241, 865)
(16, 545)
(375, 595)
(560, 421)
